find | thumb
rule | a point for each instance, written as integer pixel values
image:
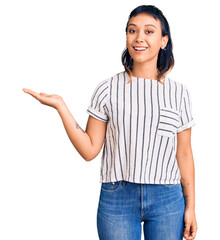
(186, 230)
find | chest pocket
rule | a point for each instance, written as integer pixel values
(168, 122)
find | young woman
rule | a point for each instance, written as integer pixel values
(144, 120)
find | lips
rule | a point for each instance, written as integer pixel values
(140, 48)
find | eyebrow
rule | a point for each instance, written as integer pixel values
(144, 25)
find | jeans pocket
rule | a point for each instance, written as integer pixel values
(168, 122)
(111, 186)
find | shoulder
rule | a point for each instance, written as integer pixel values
(102, 85)
(108, 79)
(182, 87)
(112, 78)
(175, 82)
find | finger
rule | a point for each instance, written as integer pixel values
(34, 94)
(29, 91)
(190, 238)
(186, 231)
(193, 233)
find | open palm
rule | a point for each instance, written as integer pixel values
(52, 100)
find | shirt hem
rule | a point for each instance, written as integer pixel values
(96, 114)
(186, 126)
(177, 181)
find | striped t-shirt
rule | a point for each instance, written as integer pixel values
(143, 119)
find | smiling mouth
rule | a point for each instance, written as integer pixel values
(140, 49)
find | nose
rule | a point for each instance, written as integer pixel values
(140, 37)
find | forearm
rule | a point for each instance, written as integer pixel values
(78, 137)
(187, 171)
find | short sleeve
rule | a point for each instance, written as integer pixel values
(97, 107)
(186, 118)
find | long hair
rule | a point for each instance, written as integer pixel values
(165, 61)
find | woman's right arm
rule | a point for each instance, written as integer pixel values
(88, 143)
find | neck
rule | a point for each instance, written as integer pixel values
(143, 71)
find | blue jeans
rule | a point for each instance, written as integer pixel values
(123, 206)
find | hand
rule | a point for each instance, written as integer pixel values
(190, 224)
(50, 100)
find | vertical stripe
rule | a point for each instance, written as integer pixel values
(136, 138)
(143, 137)
(124, 128)
(170, 94)
(155, 147)
(119, 155)
(130, 128)
(173, 164)
(163, 160)
(175, 95)
(105, 160)
(168, 165)
(164, 88)
(113, 130)
(186, 111)
(151, 116)
(111, 161)
(158, 152)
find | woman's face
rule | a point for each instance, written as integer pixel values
(144, 31)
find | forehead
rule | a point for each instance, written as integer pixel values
(143, 19)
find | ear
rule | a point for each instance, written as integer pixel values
(164, 41)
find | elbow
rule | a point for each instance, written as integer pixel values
(89, 158)
(92, 154)
(88, 154)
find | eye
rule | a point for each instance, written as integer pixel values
(148, 31)
(131, 30)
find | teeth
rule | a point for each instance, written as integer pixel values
(139, 48)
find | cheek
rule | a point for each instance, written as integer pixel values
(129, 39)
(128, 42)
(155, 43)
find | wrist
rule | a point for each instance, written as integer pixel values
(60, 105)
(190, 207)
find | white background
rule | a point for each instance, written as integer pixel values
(47, 190)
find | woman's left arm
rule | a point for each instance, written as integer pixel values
(185, 161)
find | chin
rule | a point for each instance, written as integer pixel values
(138, 60)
